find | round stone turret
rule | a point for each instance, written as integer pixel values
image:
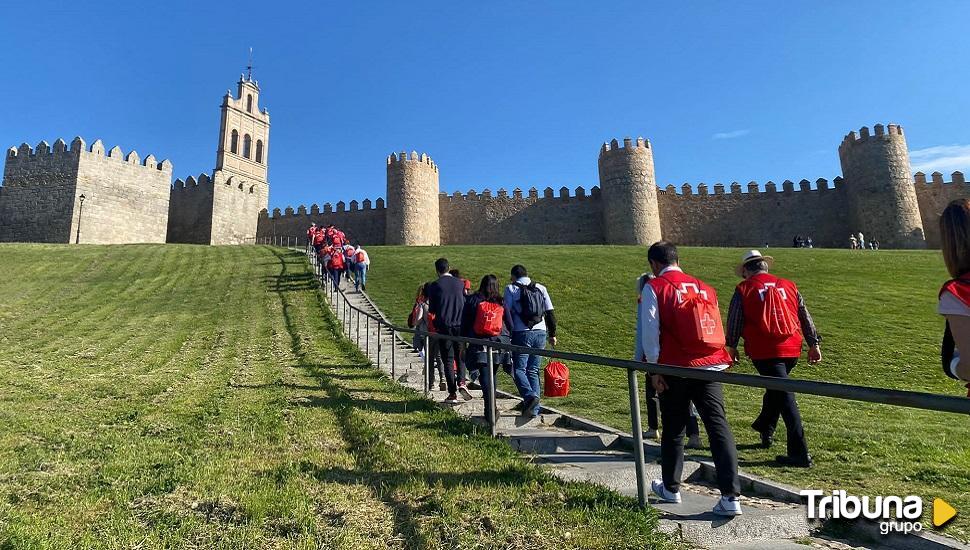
(879, 187)
(629, 193)
(412, 200)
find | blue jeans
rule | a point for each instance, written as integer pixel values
(525, 366)
(361, 277)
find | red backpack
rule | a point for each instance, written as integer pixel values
(488, 319)
(699, 319)
(556, 377)
(336, 260)
(777, 318)
(361, 257)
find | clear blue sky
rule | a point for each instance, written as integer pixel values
(500, 94)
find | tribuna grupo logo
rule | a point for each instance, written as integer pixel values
(895, 514)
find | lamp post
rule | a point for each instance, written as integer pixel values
(80, 208)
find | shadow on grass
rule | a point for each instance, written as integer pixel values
(377, 464)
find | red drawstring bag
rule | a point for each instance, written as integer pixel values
(556, 377)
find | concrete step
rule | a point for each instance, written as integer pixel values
(549, 440)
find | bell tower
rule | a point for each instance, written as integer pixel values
(244, 134)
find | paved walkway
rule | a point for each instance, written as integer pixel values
(578, 449)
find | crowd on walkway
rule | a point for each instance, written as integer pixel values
(678, 323)
(340, 258)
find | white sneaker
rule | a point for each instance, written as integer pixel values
(657, 486)
(728, 506)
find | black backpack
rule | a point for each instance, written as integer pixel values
(531, 304)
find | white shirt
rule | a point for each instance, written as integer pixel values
(647, 345)
(512, 304)
(951, 305)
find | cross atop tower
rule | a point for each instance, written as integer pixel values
(250, 66)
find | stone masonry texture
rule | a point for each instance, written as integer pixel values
(876, 195)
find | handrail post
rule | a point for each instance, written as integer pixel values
(491, 413)
(366, 335)
(358, 329)
(393, 353)
(379, 364)
(427, 364)
(637, 436)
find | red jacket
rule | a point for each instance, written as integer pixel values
(959, 287)
(758, 343)
(679, 342)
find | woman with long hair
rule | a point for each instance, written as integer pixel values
(485, 317)
(955, 294)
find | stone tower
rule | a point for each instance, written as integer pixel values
(412, 200)
(630, 211)
(243, 134)
(879, 187)
(225, 208)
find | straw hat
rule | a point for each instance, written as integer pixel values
(750, 256)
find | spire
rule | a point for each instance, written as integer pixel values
(250, 66)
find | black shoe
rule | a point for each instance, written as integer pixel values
(528, 405)
(767, 438)
(794, 462)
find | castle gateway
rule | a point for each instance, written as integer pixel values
(876, 195)
(81, 194)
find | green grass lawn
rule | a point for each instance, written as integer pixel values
(196, 397)
(875, 310)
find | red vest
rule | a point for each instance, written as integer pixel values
(684, 350)
(757, 343)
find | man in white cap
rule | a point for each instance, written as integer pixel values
(770, 314)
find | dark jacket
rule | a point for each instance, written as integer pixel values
(446, 300)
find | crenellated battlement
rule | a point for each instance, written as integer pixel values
(328, 208)
(936, 179)
(879, 132)
(24, 155)
(404, 157)
(579, 193)
(821, 185)
(628, 143)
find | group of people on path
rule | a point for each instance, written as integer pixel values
(857, 241)
(679, 324)
(339, 257)
(522, 315)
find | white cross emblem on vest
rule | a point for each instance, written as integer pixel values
(708, 324)
(689, 289)
(761, 291)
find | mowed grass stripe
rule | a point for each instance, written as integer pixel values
(875, 310)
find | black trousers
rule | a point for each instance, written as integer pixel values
(781, 403)
(450, 351)
(675, 402)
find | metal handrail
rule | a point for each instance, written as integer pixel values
(885, 396)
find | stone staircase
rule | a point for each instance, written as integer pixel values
(578, 449)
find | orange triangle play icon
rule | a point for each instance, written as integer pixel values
(942, 512)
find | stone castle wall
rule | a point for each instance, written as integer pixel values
(474, 218)
(734, 215)
(125, 197)
(37, 197)
(752, 218)
(190, 211)
(364, 225)
(933, 196)
(126, 201)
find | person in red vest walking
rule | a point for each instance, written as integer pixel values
(680, 325)
(955, 295)
(770, 314)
